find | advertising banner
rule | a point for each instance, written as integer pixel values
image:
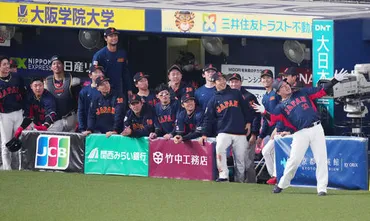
(188, 160)
(72, 16)
(347, 163)
(52, 151)
(117, 155)
(266, 25)
(323, 64)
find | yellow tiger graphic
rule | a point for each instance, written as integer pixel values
(184, 20)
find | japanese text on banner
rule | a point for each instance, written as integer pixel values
(72, 16)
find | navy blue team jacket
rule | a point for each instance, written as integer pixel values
(84, 100)
(166, 117)
(229, 111)
(11, 94)
(142, 125)
(250, 99)
(299, 111)
(106, 113)
(270, 101)
(40, 110)
(203, 95)
(183, 89)
(115, 66)
(189, 126)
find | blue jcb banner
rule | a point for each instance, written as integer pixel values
(347, 163)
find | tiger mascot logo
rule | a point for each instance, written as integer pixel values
(184, 20)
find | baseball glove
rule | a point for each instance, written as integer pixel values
(14, 145)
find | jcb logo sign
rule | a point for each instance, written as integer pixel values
(52, 152)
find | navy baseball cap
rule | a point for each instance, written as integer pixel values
(234, 76)
(209, 67)
(277, 84)
(290, 71)
(139, 75)
(13, 63)
(186, 97)
(267, 72)
(110, 31)
(100, 80)
(56, 58)
(134, 99)
(96, 67)
(37, 79)
(217, 76)
(174, 67)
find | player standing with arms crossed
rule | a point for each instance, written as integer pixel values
(298, 112)
(11, 103)
(233, 119)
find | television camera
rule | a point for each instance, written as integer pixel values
(353, 93)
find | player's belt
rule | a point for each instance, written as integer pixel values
(314, 124)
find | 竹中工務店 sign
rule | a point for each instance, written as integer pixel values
(267, 25)
(72, 16)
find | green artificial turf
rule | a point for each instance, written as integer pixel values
(26, 195)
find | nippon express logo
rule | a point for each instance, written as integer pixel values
(52, 152)
(22, 14)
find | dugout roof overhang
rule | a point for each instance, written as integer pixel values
(267, 18)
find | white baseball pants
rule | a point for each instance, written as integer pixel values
(268, 153)
(239, 144)
(67, 124)
(9, 123)
(315, 138)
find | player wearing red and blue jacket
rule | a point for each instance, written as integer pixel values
(107, 110)
(142, 84)
(189, 120)
(114, 61)
(139, 120)
(39, 108)
(86, 95)
(298, 111)
(177, 87)
(166, 111)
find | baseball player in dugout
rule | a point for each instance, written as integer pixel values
(39, 108)
(235, 82)
(142, 84)
(189, 120)
(234, 120)
(176, 86)
(139, 120)
(86, 95)
(292, 77)
(205, 92)
(114, 61)
(298, 111)
(107, 110)
(65, 90)
(166, 112)
(11, 104)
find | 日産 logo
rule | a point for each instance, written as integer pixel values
(22, 13)
(52, 152)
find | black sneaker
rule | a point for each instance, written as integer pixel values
(222, 180)
(277, 189)
(321, 194)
